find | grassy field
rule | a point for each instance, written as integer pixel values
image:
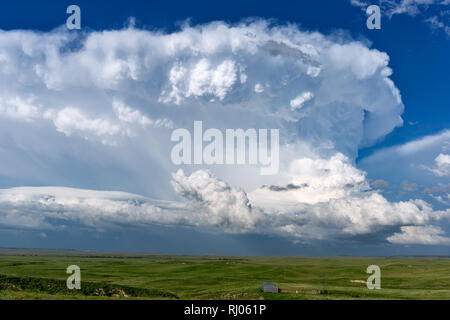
(40, 274)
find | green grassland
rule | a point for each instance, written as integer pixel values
(41, 274)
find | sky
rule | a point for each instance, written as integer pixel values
(87, 119)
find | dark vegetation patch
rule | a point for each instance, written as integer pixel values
(53, 286)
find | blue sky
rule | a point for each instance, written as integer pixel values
(93, 110)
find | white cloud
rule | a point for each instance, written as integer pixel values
(130, 118)
(416, 159)
(435, 23)
(202, 80)
(393, 7)
(359, 3)
(195, 65)
(72, 120)
(224, 205)
(125, 122)
(258, 88)
(411, 8)
(355, 57)
(331, 197)
(322, 179)
(444, 199)
(212, 205)
(55, 207)
(428, 235)
(108, 86)
(127, 87)
(413, 147)
(300, 100)
(442, 165)
(18, 108)
(126, 114)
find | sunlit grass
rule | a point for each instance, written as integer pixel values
(210, 277)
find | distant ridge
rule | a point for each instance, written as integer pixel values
(118, 254)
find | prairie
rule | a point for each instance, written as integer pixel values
(41, 274)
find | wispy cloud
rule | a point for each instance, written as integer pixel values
(391, 8)
(435, 23)
(420, 235)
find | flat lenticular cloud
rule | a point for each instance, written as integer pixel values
(121, 93)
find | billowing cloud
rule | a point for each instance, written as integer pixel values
(437, 23)
(223, 205)
(301, 99)
(119, 94)
(442, 165)
(331, 197)
(55, 207)
(213, 206)
(215, 65)
(420, 235)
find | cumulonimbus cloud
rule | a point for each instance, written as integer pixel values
(125, 90)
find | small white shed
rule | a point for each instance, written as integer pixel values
(269, 287)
